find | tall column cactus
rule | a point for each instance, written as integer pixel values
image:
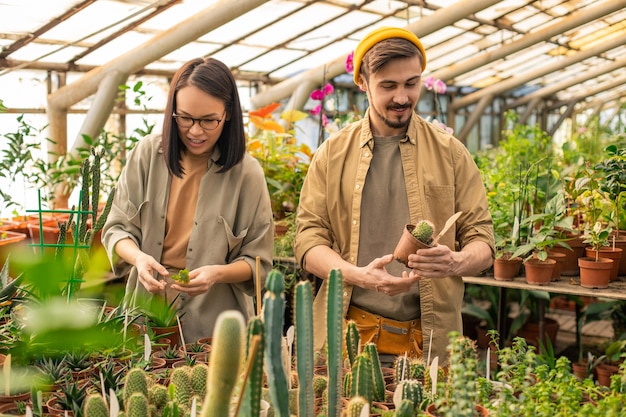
(378, 379)
(225, 365)
(251, 401)
(304, 347)
(362, 380)
(274, 316)
(352, 341)
(334, 312)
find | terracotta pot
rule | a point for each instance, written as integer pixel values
(505, 269)
(10, 242)
(168, 361)
(595, 274)
(604, 372)
(579, 369)
(530, 331)
(570, 264)
(559, 257)
(539, 272)
(610, 253)
(407, 244)
(170, 333)
(10, 399)
(431, 410)
(621, 243)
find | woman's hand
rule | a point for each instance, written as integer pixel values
(146, 267)
(200, 280)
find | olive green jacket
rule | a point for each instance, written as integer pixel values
(441, 179)
(233, 221)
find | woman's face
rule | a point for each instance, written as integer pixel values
(200, 118)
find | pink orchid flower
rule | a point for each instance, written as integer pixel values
(316, 110)
(439, 87)
(429, 82)
(317, 94)
(328, 89)
(350, 63)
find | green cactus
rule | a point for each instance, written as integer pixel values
(405, 409)
(347, 382)
(136, 382)
(181, 379)
(199, 374)
(251, 402)
(461, 394)
(304, 347)
(157, 396)
(402, 368)
(362, 380)
(418, 368)
(274, 317)
(320, 383)
(352, 341)
(225, 365)
(95, 406)
(334, 322)
(378, 379)
(356, 405)
(412, 390)
(423, 231)
(137, 405)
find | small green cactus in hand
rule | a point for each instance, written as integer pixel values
(95, 406)
(182, 276)
(423, 231)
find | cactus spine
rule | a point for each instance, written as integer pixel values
(137, 405)
(251, 402)
(226, 360)
(334, 312)
(405, 409)
(95, 406)
(352, 341)
(402, 367)
(181, 379)
(356, 406)
(418, 368)
(362, 378)
(412, 390)
(423, 231)
(274, 316)
(136, 381)
(157, 396)
(304, 347)
(378, 379)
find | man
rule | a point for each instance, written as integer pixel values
(370, 179)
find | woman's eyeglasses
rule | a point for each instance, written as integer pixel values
(187, 122)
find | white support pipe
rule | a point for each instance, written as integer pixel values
(429, 24)
(540, 71)
(553, 88)
(576, 19)
(186, 31)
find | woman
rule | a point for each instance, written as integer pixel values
(193, 198)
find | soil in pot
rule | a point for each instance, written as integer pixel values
(595, 274)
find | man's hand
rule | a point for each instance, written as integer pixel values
(375, 277)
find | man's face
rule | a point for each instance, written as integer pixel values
(393, 93)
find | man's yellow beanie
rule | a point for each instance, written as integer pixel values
(380, 34)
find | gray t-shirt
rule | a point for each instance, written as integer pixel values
(384, 212)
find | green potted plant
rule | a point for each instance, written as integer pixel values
(595, 271)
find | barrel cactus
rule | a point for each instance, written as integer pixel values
(423, 231)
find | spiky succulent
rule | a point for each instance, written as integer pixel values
(423, 231)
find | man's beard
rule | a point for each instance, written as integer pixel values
(391, 123)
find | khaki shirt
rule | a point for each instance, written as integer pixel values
(441, 178)
(233, 221)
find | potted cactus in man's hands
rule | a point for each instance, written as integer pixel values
(414, 237)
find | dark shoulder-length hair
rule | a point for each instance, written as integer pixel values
(214, 78)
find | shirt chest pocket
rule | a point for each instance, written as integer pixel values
(233, 241)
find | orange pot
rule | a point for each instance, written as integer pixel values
(595, 274)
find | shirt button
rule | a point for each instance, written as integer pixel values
(352, 258)
(159, 243)
(367, 154)
(357, 186)
(345, 293)
(353, 221)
